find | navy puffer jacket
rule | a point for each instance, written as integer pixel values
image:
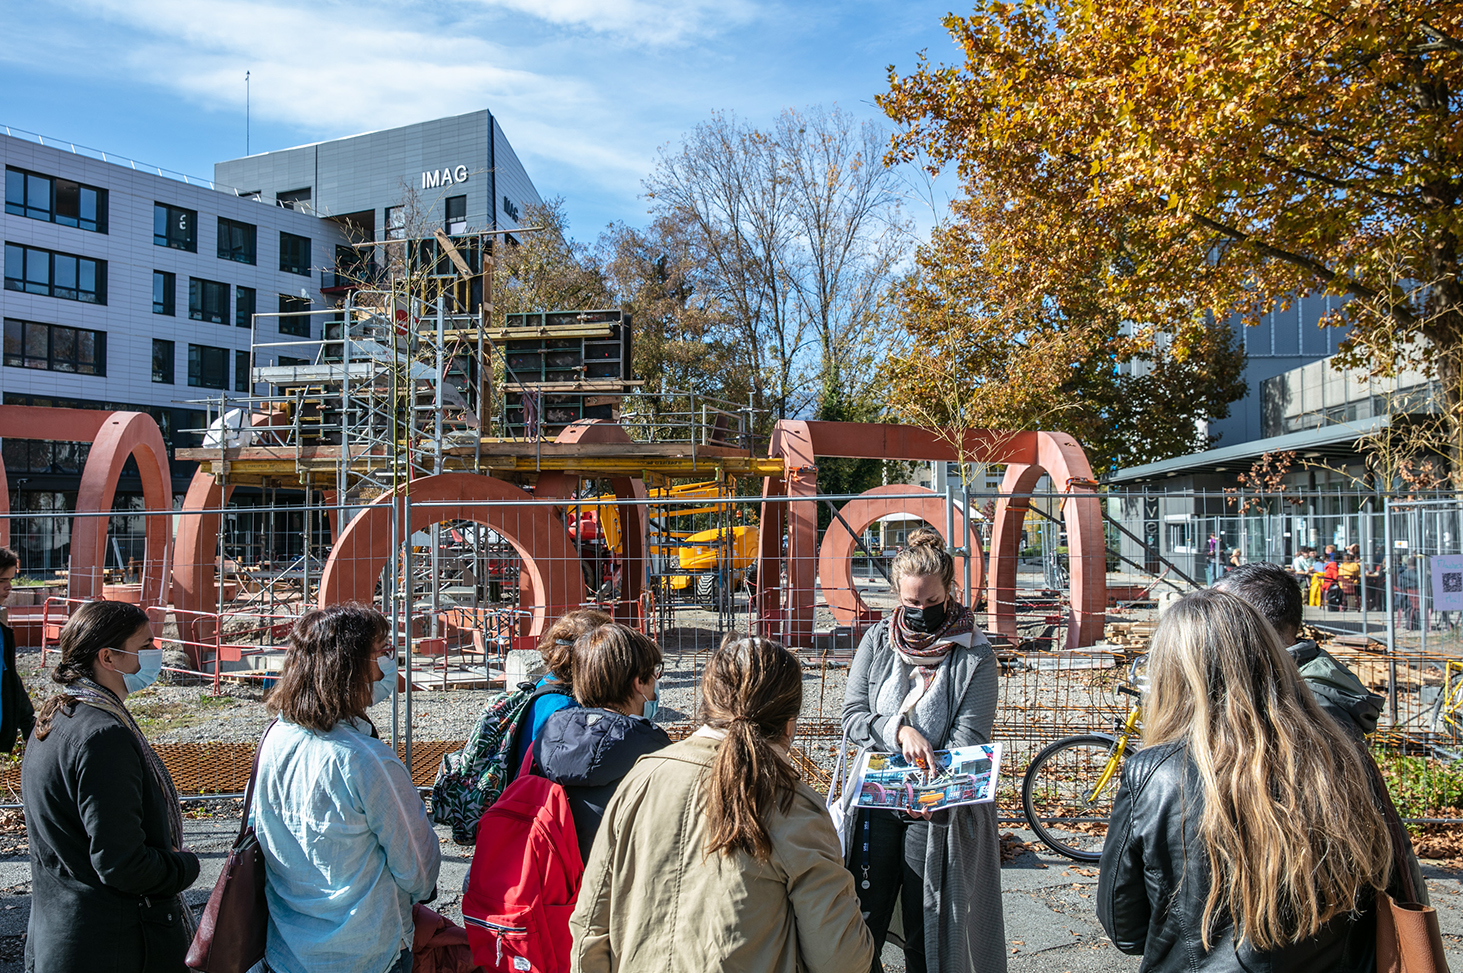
(587, 751)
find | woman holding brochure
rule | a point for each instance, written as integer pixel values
(923, 680)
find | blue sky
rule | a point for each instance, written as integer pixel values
(587, 90)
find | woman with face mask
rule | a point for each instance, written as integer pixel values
(347, 845)
(589, 749)
(108, 864)
(925, 679)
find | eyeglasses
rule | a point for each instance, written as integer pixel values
(659, 669)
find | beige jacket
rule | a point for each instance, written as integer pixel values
(653, 900)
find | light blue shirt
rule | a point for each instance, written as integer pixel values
(347, 850)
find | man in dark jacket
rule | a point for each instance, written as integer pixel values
(17, 717)
(1276, 595)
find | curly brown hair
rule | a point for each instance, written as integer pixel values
(557, 644)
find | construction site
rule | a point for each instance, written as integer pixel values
(476, 477)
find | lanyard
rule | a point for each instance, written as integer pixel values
(866, 815)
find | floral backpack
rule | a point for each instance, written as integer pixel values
(469, 780)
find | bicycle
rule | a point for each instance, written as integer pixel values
(1069, 787)
(1446, 716)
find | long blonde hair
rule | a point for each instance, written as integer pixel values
(1290, 823)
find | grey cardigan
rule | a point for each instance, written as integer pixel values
(964, 926)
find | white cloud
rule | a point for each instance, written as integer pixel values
(650, 22)
(336, 70)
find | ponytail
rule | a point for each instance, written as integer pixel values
(751, 689)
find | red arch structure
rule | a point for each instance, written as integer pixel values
(550, 563)
(633, 526)
(785, 610)
(114, 436)
(835, 556)
(195, 550)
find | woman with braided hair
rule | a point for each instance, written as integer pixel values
(108, 864)
(922, 680)
(712, 855)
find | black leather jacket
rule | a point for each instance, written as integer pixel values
(1155, 878)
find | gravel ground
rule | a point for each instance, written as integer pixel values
(183, 709)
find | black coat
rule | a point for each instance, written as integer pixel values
(1155, 879)
(103, 873)
(16, 714)
(587, 752)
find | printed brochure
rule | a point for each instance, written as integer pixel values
(964, 775)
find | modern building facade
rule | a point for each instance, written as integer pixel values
(458, 173)
(127, 289)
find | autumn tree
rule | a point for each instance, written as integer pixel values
(547, 269)
(799, 232)
(1193, 162)
(685, 343)
(992, 344)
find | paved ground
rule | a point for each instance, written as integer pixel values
(1049, 907)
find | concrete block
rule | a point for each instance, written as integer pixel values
(523, 665)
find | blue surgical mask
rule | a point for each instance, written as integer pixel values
(652, 706)
(382, 688)
(150, 662)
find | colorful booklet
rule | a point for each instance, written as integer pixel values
(964, 775)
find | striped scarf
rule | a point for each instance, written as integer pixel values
(924, 651)
(96, 695)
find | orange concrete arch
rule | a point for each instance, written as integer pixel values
(39, 422)
(1086, 544)
(786, 606)
(195, 549)
(123, 435)
(534, 529)
(835, 556)
(633, 523)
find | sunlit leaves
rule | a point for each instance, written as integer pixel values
(1209, 159)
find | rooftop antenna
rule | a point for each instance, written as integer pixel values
(246, 112)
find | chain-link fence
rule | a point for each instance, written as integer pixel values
(467, 583)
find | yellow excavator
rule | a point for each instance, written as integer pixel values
(699, 557)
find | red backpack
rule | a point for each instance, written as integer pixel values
(524, 879)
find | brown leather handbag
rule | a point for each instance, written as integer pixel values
(230, 937)
(1408, 939)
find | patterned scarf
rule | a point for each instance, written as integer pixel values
(97, 695)
(924, 651)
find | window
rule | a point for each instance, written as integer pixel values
(456, 215)
(294, 198)
(244, 307)
(174, 227)
(164, 290)
(396, 222)
(62, 275)
(241, 372)
(294, 254)
(297, 326)
(236, 241)
(208, 367)
(286, 361)
(55, 200)
(208, 300)
(55, 348)
(162, 361)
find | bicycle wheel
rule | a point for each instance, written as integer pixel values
(1058, 800)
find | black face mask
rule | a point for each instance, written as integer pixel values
(926, 619)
